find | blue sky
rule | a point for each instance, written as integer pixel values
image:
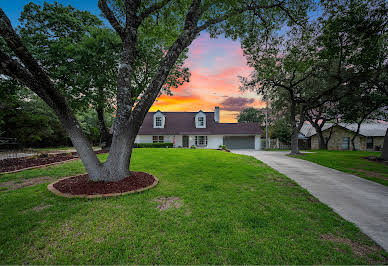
(13, 8)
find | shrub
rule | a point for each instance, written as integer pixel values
(154, 145)
(193, 147)
(223, 147)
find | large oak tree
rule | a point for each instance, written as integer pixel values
(229, 17)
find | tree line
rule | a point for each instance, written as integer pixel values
(329, 69)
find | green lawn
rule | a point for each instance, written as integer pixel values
(232, 209)
(351, 162)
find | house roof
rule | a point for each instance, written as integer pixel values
(183, 123)
(369, 129)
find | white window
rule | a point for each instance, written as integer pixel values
(201, 121)
(157, 139)
(158, 121)
(200, 140)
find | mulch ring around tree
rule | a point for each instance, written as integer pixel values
(45, 159)
(81, 186)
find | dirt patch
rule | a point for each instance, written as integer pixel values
(82, 185)
(12, 185)
(39, 208)
(312, 199)
(13, 164)
(375, 159)
(370, 173)
(169, 202)
(358, 249)
(284, 182)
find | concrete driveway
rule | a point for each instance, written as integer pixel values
(358, 200)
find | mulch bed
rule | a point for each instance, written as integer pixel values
(375, 159)
(82, 185)
(13, 164)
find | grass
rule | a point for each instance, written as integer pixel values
(235, 210)
(350, 162)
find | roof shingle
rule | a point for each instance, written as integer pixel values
(183, 123)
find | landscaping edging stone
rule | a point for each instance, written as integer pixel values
(51, 188)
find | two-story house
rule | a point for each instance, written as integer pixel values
(201, 129)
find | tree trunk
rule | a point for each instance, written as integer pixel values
(294, 142)
(356, 134)
(106, 137)
(353, 145)
(295, 130)
(384, 153)
(321, 140)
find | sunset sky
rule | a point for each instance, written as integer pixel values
(215, 65)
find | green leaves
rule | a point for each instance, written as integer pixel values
(251, 115)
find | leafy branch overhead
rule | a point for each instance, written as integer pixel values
(164, 29)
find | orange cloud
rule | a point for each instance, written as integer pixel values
(215, 65)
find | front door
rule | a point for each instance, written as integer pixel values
(186, 141)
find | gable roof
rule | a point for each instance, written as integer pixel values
(369, 129)
(183, 123)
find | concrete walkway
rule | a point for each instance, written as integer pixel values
(358, 200)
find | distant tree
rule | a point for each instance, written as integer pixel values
(251, 115)
(319, 117)
(281, 129)
(27, 118)
(360, 107)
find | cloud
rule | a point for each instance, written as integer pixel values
(215, 65)
(236, 103)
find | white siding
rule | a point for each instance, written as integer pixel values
(213, 141)
(167, 138)
(257, 142)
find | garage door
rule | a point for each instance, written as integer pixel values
(239, 142)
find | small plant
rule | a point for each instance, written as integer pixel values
(223, 147)
(193, 147)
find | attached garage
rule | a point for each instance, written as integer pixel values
(239, 142)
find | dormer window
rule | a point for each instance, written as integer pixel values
(200, 120)
(159, 120)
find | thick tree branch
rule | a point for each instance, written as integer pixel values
(12, 68)
(187, 35)
(153, 8)
(109, 15)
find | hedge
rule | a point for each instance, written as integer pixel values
(154, 145)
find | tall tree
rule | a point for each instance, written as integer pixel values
(195, 16)
(321, 61)
(251, 115)
(89, 56)
(319, 117)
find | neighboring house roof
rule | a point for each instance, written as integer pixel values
(183, 123)
(368, 129)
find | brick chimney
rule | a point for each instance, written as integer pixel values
(217, 114)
